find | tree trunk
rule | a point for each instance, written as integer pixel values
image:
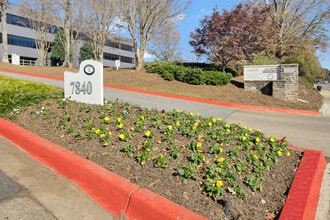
(4, 32)
(67, 60)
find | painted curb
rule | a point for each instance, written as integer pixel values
(304, 194)
(120, 196)
(113, 192)
(212, 102)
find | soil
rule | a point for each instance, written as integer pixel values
(308, 98)
(266, 204)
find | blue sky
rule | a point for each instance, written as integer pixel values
(199, 8)
(196, 12)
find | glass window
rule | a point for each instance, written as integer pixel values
(21, 41)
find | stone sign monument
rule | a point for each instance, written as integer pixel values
(279, 81)
(87, 85)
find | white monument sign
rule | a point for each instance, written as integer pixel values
(262, 73)
(87, 85)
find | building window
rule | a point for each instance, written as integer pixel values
(110, 43)
(126, 59)
(110, 56)
(21, 41)
(126, 47)
(18, 21)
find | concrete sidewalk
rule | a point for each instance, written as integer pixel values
(30, 190)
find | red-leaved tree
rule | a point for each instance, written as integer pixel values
(236, 35)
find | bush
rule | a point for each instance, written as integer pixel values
(195, 77)
(190, 75)
(216, 78)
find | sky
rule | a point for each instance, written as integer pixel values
(196, 12)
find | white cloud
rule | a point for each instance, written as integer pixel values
(148, 56)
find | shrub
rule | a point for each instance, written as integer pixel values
(216, 78)
(195, 77)
(190, 75)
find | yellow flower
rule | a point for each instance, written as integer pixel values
(142, 118)
(120, 125)
(244, 138)
(219, 183)
(210, 124)
(220, 149)
(288, 154)
(109, 133)
(119, 119)
(227, 131)
(260, 188)
(169, 127)
(227, 125)
(121, 136)
(191, 114)
(106, 119)
(279, 153)
(148, 133)
(178, 123)
(238, 147)
(255, 156)
(199, 144)
(98, 131)
(257, 139)
(221, 159)
(272, 140)
(219, 119)
(214, 120)
(102, 136)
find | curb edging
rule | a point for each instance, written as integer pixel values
(180, 97)
(304, 193)
(114, 193)
(120, 196)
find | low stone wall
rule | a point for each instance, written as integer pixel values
(284, 88)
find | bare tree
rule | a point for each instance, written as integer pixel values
(40, 17)
(299, 21)
(70, 25)
(144, 17)
(165, 44)
(97, 21)
(4, 5)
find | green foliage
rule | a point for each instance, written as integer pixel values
(220, 157)
(86, 52)
(263, 60)
(57, 49)
(309, 67)
(16, 94)
(190, 75)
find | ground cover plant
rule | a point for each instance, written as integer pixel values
(219, 170)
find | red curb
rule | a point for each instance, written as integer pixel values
(108, 189)
(116, 194)
(120, 196)
(212, 102)
(147, 205)
(304, 193)
(32, 74)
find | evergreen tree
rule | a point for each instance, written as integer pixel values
(57, 49)
(86, 52)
